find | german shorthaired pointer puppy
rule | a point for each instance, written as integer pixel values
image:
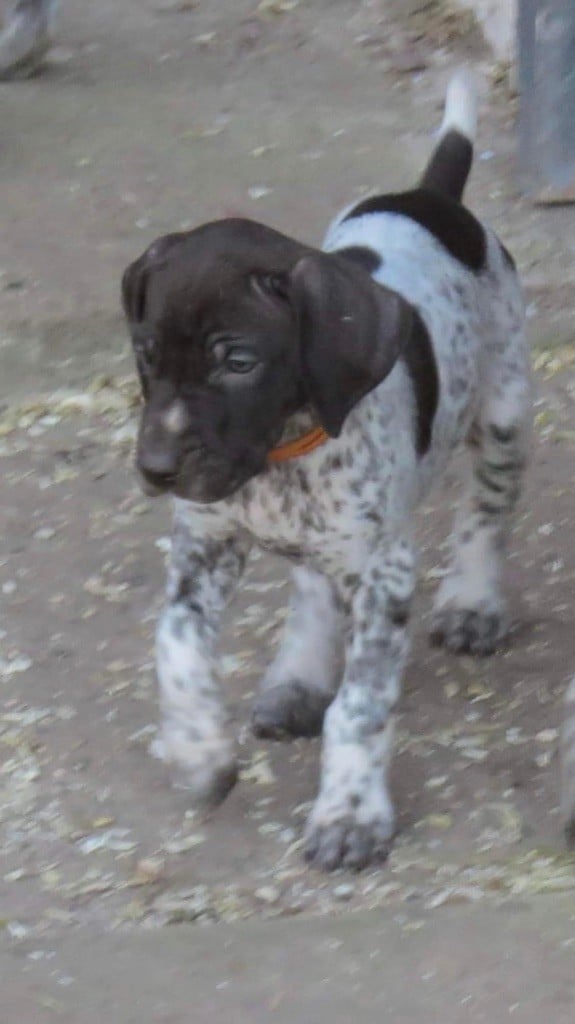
(305, 400)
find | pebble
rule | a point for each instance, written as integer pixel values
(344, 891)
(267, 894)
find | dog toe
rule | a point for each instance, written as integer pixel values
(468, 631)
(347, 844)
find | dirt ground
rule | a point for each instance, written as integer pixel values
(153, 115)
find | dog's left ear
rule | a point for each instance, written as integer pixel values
(351, 333)
(136, 276)
(134, 281)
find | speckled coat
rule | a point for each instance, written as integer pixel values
(343, 514)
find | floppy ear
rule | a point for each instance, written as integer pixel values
(351, 332)
(134, 282)
(135, 277)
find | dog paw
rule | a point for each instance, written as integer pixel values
(348, 843)
(206, 769)
(468, 630)
(289, 710)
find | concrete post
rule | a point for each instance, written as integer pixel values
(546, 53)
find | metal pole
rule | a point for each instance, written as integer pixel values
(546, 50)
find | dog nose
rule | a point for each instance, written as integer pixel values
(157, 454)
(158, 467)
(159, 479)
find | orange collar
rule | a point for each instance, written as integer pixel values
(301, 446)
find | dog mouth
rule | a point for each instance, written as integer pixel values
(153, 485)
(200, 478)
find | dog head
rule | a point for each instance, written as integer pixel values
(234, 328)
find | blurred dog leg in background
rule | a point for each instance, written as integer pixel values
(25, 38)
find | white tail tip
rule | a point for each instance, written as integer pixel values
(461, 105)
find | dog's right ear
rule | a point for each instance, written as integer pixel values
(136, 276)
(134, 280)
(351, 333)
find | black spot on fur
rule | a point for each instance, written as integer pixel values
(363, 256)
(449, 166)
(351, 579)
(452, 225)
(292, 552)
(303, 482)
(483, 476)
(398, 612)
(489, 509)
(420, 362)
(186, 590)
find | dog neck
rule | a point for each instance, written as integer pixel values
(301, 434)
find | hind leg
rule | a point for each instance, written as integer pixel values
(470, 609)
(300, 684)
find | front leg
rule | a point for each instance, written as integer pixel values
(352, 821)
(193, 739)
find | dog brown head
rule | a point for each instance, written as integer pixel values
(235, 327)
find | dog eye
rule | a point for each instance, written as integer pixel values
(223, 354)
(239, 361)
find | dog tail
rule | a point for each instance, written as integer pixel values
(568, 764)
(450, 162)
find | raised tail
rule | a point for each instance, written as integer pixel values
(450, 162)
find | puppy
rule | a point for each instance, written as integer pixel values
(304, 401)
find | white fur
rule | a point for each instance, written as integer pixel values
(193, 736)
(461, 105)
(175, 418)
